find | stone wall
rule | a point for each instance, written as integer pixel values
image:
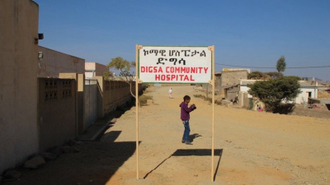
(232, 78)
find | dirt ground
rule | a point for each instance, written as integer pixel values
(251, 148)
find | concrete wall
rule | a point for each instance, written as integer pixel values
(57, 111)
(113, 94)
(18, 81)
(80, 101)
(54, 62)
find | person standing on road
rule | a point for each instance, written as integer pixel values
(185, 116)
(170, 93)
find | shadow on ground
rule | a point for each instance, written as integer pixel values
(97, 129)
(95, 163)
(193, 136)
(192, 152)
(284, 108)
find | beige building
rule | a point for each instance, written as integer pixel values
(44, 100)
(95, 69)
(52, 63)
(18, 81)
(230, 80)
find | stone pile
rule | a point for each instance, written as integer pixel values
(38, 160)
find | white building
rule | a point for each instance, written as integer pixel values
(307, 90)
(94, 69)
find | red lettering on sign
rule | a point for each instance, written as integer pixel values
(175, 78)
(205, 69)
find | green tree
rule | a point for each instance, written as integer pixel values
(258, 75)
(108, 75)
(280, 66)
(274, 91)
(124, 68)
(274, 74)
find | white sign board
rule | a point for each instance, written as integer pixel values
(175, 64)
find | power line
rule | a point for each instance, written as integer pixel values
(267, 67)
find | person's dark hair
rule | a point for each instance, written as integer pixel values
(186, 98)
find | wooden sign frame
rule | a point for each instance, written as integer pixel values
(138, 81)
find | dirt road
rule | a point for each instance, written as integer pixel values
(251, 148)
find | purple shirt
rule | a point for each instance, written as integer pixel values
(185, 111)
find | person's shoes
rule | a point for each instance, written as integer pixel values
(188, 143)
(182, 141)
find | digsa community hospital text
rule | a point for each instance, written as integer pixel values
(174, 73)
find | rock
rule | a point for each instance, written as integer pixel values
(34, 163)
(55, 150)
(12, 174)
(226, 103)
(48, 156)
(66, 149)
(71, 142)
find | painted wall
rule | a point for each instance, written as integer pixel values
(18, 81)
(53, 63)
(245, 89)
(302, 98)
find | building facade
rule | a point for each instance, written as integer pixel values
(93, 69)
(52, 63)
(18, 81)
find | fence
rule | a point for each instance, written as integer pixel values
(56, 111)
(58, 106)
(115, 94)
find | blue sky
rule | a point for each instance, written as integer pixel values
(245, 32)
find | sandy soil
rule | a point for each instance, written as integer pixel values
(251, 148)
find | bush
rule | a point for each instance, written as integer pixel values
(274, 91)
(275, 74)
(144, 99)
(258, 75)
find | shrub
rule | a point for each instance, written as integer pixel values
(274, 91)
(144, 99)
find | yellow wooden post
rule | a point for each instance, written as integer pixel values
(213, 112)
(137, 109)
